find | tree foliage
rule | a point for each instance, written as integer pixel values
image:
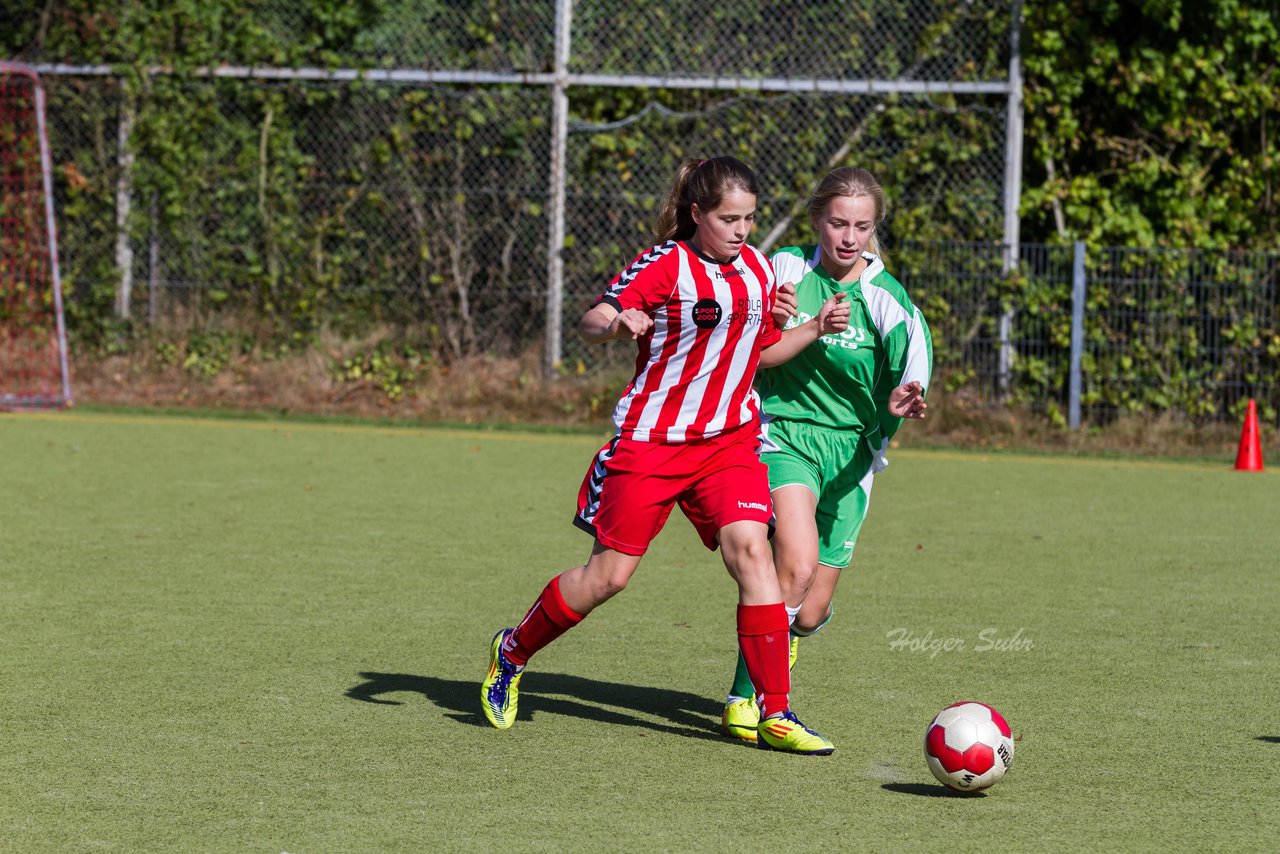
(1153, 123)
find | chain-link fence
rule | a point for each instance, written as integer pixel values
(424, 207)
(403, 177)
(1195, 332)
(428, 205)
(795, 140)
(886, 40)
(1100, 333)
(420, 189)
(297, 205)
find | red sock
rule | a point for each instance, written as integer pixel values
(547, 620)
(762, 637)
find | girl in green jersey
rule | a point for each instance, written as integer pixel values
(830, 411)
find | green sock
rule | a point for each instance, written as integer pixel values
(742, 686)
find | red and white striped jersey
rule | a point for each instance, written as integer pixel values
(695, 368)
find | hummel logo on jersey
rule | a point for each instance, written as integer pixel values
(752, 505)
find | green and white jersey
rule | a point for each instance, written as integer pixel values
(843, 381)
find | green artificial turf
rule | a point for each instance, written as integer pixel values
(222, 635)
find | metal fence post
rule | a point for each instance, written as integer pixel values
(124, 201)
(556, 193)
(1077, 335)
(153, 262)
(1012, 191)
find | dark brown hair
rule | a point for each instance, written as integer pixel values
(703, 183)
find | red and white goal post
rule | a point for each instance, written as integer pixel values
(34, 373)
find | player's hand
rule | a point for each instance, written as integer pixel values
(785, 304)
(630, 323)
(907, 401)
(833, 317)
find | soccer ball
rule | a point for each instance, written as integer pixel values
(968, 747)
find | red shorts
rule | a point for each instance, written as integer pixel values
(631, 487)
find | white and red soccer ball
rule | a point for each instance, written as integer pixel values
(968, 746)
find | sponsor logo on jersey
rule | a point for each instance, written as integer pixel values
(849, 339)
(752, 505)
(707, 314)
(747, 310)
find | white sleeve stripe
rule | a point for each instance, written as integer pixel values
(917, 366)
(887, 313)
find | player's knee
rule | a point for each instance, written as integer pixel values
(806, 625)
(605, 585)
(613, 585)
(607, 574)
(754, 549)
(797, 573)
(751, 561)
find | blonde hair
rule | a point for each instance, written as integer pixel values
(851, 182)
(703, 183)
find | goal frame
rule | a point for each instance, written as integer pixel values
(25, 399)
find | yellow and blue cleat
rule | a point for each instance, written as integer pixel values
(500, 690)
(741, 718)
(786, 733)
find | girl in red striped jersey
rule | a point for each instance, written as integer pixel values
(699, 305)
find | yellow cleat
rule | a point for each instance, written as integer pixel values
(785, 732)
(501, 688)
(795, 650)
(741, 719)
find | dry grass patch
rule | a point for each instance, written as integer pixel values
(513, 391)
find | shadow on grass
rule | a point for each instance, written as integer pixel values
(926, 791)
(1274, 739)
(687, 715)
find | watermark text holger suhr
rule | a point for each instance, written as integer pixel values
(990, 639)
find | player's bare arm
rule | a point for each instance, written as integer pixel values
(832, 318)
(604, 323)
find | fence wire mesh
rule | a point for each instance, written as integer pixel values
(426, 205)
(1185, 331)
(934, 40)
(1191, 333)
(941, 164)
(303, 204)
(872, 40)
(277, 208)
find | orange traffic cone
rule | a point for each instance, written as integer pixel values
(1249, 458)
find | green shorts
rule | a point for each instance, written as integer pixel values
(836, 467)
